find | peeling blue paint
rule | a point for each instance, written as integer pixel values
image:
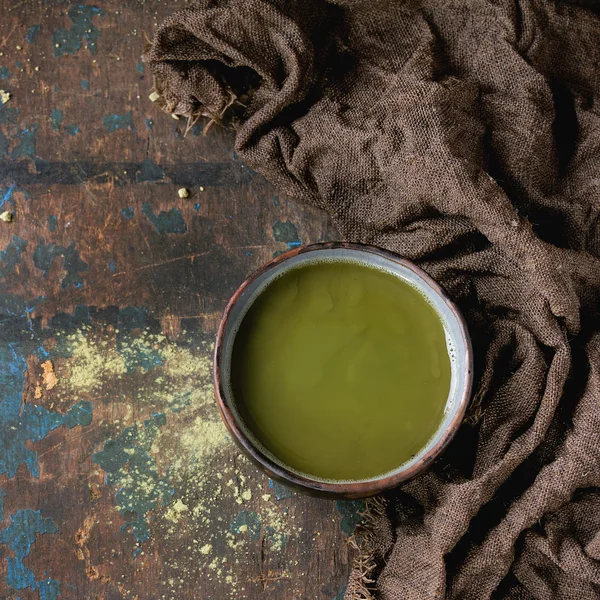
(49, 589)
(51, 221)
(72, 129)
(281, 492)
(127, 212)
(27, 142)
(56, 117)
(10, 257)
(32, 34)
(149, 171)
(149, 124)
(7, 194)
(341, 594)
(14, 306)
(68, 41)
(249, 520)
(111, 265)
(197, 206)
(23, 423)
(85, 84)
(79, 414)
(19, 536)
(8, 114)
(350, 511)
(4, 73)
(170, 221)
(116, 122)
(41, 352)
(285, 231)
(139, 67)
(133, 471)
(44, 255)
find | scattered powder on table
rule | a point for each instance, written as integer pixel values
(93, 363)
(204, 438)
(176, 511)
(193, 452)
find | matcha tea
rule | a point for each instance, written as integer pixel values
(341, 370)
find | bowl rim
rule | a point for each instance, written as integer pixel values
(359, 489)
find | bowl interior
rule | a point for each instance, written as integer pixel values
(457, 343)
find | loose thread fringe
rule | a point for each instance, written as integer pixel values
(363, 542)
(196, 113)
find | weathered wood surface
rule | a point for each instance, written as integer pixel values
(117, 479)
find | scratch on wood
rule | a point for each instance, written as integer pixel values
(164, 262)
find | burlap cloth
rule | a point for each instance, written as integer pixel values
(465, 136)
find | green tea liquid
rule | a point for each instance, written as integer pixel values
(341, 370)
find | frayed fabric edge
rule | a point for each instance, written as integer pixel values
(361, 584)
(193, 115)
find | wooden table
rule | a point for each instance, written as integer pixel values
(117, 479)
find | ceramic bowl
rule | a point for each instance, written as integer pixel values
(458, 343)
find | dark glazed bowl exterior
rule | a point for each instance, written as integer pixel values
(358, 489)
